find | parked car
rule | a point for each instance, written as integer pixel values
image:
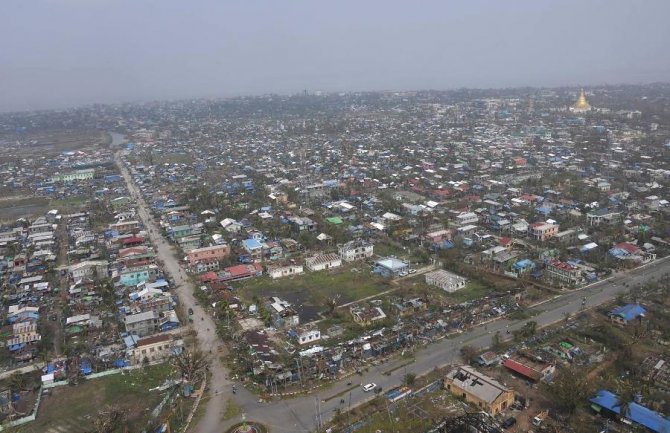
(369, 387)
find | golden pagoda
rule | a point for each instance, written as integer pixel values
(582, 105)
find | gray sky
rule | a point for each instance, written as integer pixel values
(59, 53)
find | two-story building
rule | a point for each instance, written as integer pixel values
(207, 254)
(135, 275)
(541, 231)
(482, 391)
(155, 348)
(602, 216)
(563, 272)
(88, 269)
(358, 249)
(142, 324)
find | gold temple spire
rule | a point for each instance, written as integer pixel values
(582, 104)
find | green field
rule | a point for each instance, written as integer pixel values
(73, 408)
(315, 288)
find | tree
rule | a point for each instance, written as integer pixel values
(191, 364)
(530, 328)
(18, 381)
(496, 341)
(569, 388)
(626, 395)
(469, 353)
(409, 379)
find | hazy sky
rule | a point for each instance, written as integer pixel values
(58, 53)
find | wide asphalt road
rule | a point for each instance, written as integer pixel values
(300, 414)
(303, 414)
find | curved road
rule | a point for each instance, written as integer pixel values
(304, 414)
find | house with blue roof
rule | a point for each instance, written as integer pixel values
(608, 404)
(390, 267)
(523, 266)
(253, 248)
(623, 315)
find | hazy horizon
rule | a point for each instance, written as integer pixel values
(65, 53)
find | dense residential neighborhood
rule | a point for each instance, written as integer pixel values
(495, 251)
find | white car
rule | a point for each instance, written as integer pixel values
(369, 387)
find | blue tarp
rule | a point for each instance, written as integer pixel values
(251, 244)
(85, 367)
(637, 413)
(628, 312)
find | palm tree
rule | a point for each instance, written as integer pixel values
(626, 395)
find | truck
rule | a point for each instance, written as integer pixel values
(537, 419)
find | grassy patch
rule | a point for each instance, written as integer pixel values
(173, 158)
(315, 288)
(15, 207)
(68, 202)
(232, 410)
(75, 408)
(383, 249)
(472, 290)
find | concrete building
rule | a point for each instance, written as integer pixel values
(467, 218)
(74, 175)
(285, 271)
(390, 267)
(134, 276)
(541, 231)
(208, 254)
(155, 349)
(445, 280)
(357, 249)
(142, 324)
(308, 337)
(86, 269)
(323, 261)
(478, 389)
(367, 316)
(602, 216)
(563, 272)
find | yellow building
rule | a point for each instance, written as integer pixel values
(478, 389)
(582, 105)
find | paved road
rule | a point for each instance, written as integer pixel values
(300, 414)
(203, 323)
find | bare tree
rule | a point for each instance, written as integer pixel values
(469, 353)
(191, 364)
(109, 419)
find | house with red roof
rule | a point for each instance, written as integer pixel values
(240, 272)
(530, 367)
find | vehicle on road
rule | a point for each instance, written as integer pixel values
(412, 271)
(369, 387)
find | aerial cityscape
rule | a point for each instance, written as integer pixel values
(474, 259)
